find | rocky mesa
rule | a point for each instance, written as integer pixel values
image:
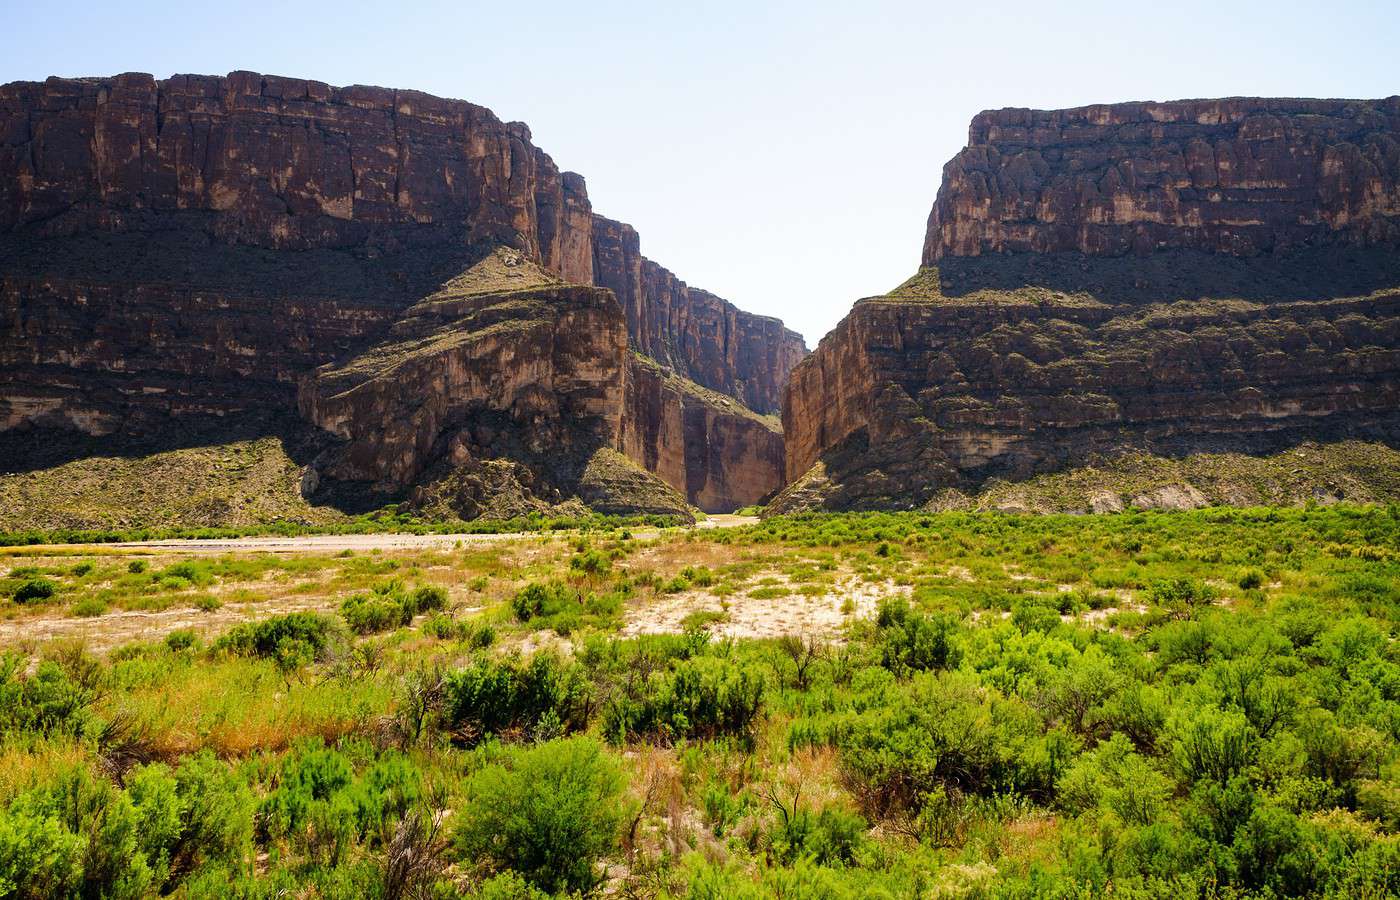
(201, 249)
(1169, 280)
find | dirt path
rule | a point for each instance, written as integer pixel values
(335, 543)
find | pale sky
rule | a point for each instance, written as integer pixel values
(782, 155)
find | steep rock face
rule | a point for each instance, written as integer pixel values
(506, 362)
(196, 247)
(1099, 289)
(707, 446)
(702, 337)
(1238, 176)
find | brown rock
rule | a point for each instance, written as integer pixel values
(1169, 278)
(197, 247)
(1238, 176)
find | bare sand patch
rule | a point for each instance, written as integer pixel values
(824, 615)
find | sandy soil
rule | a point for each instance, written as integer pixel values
(101, 634)
(750, 617)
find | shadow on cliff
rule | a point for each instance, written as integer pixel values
(910, 471)
(33, 450)
(1170, 275)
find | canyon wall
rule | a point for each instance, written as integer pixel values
(199, 246)
(1169, 278)
(1237, 176)
(700, 336)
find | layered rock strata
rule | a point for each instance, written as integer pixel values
(197, 247)
(507, 362)
(1159, 278)
(1239, 176)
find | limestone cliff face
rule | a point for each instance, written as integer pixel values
(700, 336)
(1237, 176)
(705, 445)
(506, 362)
(200, 246)
(1168, 278)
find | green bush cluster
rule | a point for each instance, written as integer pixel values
(292, 639)
(390, 605)
(83, 836)
(543, 696)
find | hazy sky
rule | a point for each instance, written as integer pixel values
(782, 155)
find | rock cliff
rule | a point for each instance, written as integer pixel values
(1169, 279)
(198, 247)
(700, 336)
(1239, 176)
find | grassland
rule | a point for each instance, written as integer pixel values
(958, 704)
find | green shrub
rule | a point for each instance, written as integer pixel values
(939, 730)
(89, 607)
(35, 590)
(1181, 596)
(1035, 614)
(550, 816)
(287, 637)
(370, 614)
(591, 563)
(323, 809)
(913, 642)
(182, 639)
(507, 696)
(544, 600)
(827, 838)
(1213, 744)
(50, 701)
(390, 605)
(136, 566)
(1250, 579)
(702, 697)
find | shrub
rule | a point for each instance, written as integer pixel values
(389, 605)
(136, 566)
(88, 607)
(1181, 596)
(1214, 744)
(938, 730)
(322, 808)
(369, 614)
(701, 697)
(48, 702)
(544, 600)
(913, 642)
(827, 838)
(551, 816)
(281, 637)
(501, 696)
(1250, 579)
(35, 590)
(181, 639)
(591, 563)
(1035, 614)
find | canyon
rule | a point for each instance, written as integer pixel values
(1137, 304)
(409, 274)
(1162, 279)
